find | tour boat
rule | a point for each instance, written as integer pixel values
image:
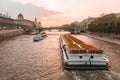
(39, 36)
(43, 34)
(76, 54)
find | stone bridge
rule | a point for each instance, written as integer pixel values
(72, 30)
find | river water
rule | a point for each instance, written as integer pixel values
(23, 59)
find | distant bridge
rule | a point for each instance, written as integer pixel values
(72, 30)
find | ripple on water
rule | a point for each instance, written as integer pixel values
(23, 59)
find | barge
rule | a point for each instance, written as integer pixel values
(76, 54)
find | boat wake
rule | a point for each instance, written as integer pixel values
(95, 75)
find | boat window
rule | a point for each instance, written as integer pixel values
(80, 56)
(91, 57)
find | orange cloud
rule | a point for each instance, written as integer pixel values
(57, 20)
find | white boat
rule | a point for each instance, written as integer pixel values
(37, 37)
(43, 34)
(78, 55)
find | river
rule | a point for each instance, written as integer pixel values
(23, 59)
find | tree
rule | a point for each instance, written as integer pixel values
(106, 24)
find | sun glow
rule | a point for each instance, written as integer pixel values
(59, 12)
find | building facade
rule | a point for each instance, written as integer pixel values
(7, 22)
(20, 21)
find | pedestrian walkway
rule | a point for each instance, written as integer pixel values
(114, 41)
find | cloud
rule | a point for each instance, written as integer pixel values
(28, 10)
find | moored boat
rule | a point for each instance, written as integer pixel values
(78, 55)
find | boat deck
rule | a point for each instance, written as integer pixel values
(79, 55)
(76, 44)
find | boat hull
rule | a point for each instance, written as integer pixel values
(69, 64)
(39, 37)
(73, 62)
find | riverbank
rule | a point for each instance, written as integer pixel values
(5, 34)
(106, 38)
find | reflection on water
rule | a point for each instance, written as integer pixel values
(23, 59)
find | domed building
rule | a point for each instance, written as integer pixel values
(23, 22)
(20, 21)
(20, 16)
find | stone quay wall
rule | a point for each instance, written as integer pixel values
(5, 34)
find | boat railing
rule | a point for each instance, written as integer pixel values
(78, 51)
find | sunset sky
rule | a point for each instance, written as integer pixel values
(58, 12)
